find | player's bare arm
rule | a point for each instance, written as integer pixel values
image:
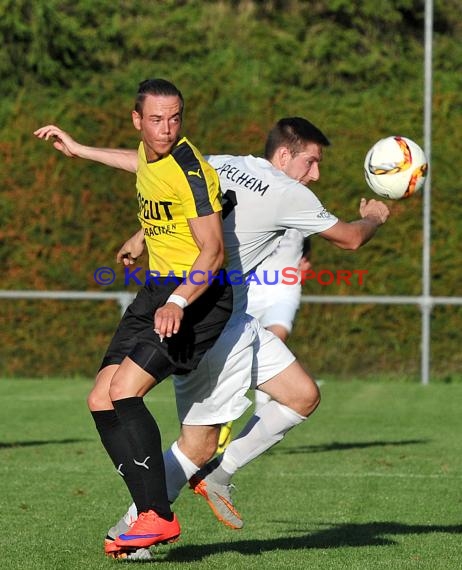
(124, 159)
(207, 232)
(352, 235)
(131, 249)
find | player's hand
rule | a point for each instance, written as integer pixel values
(131, 250)
(62, 141)
(167, 320)
(304, 265)
(375, 209)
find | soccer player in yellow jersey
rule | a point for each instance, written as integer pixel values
(172, 322)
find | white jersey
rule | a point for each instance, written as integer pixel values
(287, 253)
(270, 300)
(260, 204)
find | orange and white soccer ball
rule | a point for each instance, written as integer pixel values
(395, 167)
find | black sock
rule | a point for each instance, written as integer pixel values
(118, 447)
(146, 453)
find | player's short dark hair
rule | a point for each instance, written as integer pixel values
(293, 133)
(156, 87)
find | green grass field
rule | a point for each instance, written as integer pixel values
(371, 481)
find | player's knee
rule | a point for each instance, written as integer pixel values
(314, 396)
(98, 398)
(309, 400)
(96, 401)
(117, 391)
(121, 386)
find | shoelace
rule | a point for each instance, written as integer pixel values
(146, 518)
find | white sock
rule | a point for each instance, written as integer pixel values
(131, 515)
(178, 470)
(260, 433)
(261, 399)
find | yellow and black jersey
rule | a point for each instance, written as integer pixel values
(170, 191)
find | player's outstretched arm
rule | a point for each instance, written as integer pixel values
(352, 235)
(125, 159)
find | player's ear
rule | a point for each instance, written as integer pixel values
(136, 118)
(283, 156)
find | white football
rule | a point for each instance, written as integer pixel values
(395, 167)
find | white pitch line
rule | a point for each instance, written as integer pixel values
(373, 474)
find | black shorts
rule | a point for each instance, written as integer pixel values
(202, 324)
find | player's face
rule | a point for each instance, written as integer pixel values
(159, 124)
(304, 166)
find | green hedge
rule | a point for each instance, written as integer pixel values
(355, 71)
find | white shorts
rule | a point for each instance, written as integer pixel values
(275, 304)
(244, 356)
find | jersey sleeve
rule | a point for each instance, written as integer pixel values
(300, 208)
(199, 190)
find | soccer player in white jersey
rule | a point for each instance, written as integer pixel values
(263, 198)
